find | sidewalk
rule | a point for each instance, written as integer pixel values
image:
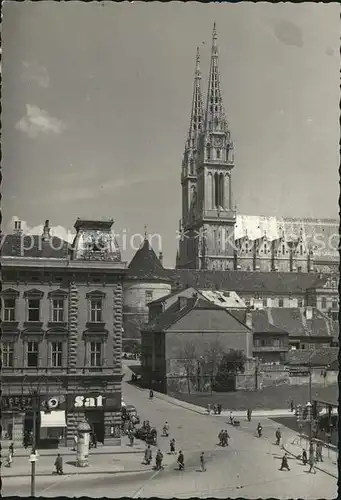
(107, 449)
(224, 413)
(330, 456)
(98, 464)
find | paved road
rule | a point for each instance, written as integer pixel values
(248, 468)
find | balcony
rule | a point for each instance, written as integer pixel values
(221, 214)
(270, 348)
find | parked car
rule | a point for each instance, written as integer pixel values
(128, 411)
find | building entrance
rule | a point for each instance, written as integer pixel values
(96, 422)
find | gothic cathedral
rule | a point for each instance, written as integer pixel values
(208, 219)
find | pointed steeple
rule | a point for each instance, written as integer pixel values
(215, 118)
(196, 123)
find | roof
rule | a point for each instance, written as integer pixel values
(245, 281)
(146, 266)
(21, 245)
(293, 320)
(261, 323)
(323, 356)
(174, 313)
(311, 231)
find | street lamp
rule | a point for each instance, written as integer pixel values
(33, 456)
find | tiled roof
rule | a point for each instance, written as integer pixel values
(20, 245)
(173, 314)
(261, 323)
(323, 356)
(146, 266)
(293, 321)
(244, 281)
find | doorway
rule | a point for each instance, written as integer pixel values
(96, 422)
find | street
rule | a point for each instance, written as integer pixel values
(248, 468)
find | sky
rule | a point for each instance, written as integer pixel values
(96, 102)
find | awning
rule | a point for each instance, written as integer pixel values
(53, 419)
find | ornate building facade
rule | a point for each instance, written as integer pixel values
(61, 342)
(212, 235)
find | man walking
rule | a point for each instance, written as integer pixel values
(59, 464)
(148, 455)
(221, 437)
(318, 452)
(181, 461)
(285, 464)
(312, 463)
(226, 438)
(278, 436)
(172, 446)
(248, 414)
(202, 462)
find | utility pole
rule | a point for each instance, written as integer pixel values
(34, 443)
(310, 417)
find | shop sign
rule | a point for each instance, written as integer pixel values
(16, 403)
(89, 402)
(95, 401)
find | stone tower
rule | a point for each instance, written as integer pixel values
(208, 228)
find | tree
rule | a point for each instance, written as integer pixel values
(188, 356)
(232, 363)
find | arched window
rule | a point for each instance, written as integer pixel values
(218, 154)
(221, 190)
(216, 190)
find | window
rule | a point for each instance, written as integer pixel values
(334, 304)
(300, 303)
(57, 354)
(335, 316)
(7, 354)
(265, 302)
(324, 303)
(218, 153)
(95, 354)
(32, 354)
(9, 309)
(280, 303)
(33, 309)
(58, 310)
(311, 346)
(283, 249)
(148, 296)
(96, 310)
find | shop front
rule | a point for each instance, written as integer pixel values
(100, 410)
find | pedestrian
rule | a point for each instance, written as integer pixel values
(75, 441)
(59, 464)
(148, 455)
(172, 446)
(158, 460)
(166, 429)
(318, 452)
(312, 463)
(94, 439)
(248, 414)
(11, 447)
(181, 461)
(259, 429)
(231, 418)
(131, 438)
(291, 406)
(9, 458)
(278, 436)
(304, 457)
(219, 408)
(285, 464)
(202, 462)
(209, 409)
(151, 394)
(226, 437)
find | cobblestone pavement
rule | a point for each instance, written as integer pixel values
(248, 468)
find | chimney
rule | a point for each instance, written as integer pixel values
(161, 258)
(46, 231)
(248, 319)
(182, 302)
(308, 313)
(17, 227)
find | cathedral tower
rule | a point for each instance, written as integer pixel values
(189, 164)
(209, 236)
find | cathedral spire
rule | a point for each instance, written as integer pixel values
(215, 119)
(196, 122)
